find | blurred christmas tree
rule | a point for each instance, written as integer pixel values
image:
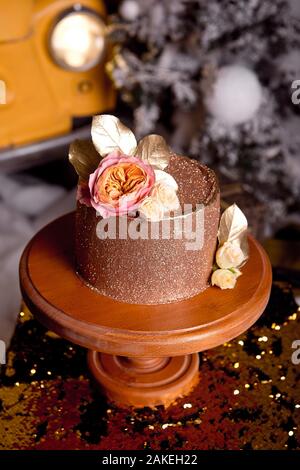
(215, 78)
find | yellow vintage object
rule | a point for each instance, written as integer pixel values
(52, 59)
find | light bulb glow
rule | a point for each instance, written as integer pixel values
(78, 40)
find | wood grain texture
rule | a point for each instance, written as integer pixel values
(144, 381)
(63, 303)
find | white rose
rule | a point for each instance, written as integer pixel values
(152, 209)
(166, 195)
(164, 177)
(229, 255)
(225, 278)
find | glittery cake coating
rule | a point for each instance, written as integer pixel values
(153, 271)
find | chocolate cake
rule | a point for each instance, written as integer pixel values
(150, 259)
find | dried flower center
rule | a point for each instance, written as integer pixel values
(121, 179)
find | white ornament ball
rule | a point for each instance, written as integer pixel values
(236, 95)
(129, 10)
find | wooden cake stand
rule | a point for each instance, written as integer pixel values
(142, 355)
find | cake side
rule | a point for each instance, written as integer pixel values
(151, 271)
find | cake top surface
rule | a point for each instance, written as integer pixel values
(197, 184)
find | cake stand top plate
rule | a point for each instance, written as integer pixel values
(63, 303)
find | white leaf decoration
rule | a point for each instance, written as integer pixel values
(233, 227)
(109, 135)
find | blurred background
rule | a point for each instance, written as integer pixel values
(215, 78)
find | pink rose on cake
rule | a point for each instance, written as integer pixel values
(120, 184)
(83, 194)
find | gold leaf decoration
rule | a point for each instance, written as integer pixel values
(109, 135)
(154, 150)
(234, 228)
(84, 157)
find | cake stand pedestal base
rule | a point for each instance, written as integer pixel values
(144, 381)
(141, 355)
